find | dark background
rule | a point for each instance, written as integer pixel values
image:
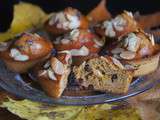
(85, 6)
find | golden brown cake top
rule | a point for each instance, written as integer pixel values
(56, 66)
(79, 42)
(119, 25)
(135, 45)
(68, 19)
(29, 47)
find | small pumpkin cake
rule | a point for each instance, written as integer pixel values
(65, 21)
(118, 26)
(104, 74)
(99, 13)
(139, 51)
(53, 75)
(82, 44)
(27, 50)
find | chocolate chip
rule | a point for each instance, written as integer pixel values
(80, 81)
(103, 72)
(114, 77)
(82, 88)
(87, 68)
(90, 87)
(72, 80)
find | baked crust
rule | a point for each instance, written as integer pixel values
(54, 84)
(130, 25)
(146, 65)
(103, 75)
(54, 88)
(145, 52)
(99, 13)
(83, 44)
(56, 31)
(83, 38)
(32, 46)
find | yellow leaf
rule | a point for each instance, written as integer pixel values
(26, 16)
(39, 111)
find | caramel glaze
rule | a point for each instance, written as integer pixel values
(131, 25)
(146, 48)
(145, 43)
(32, 45)
(51, 87)
(84, 23)
(85, 38)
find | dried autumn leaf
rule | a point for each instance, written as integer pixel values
(26, 16)
(38, 111)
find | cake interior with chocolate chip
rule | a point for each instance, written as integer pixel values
(104, 74)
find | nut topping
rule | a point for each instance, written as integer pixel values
(132, 42)
(117, 50)
(129, 14)
(151, 37)
(16, 54)
(83, 51)
(47, 65)
(127, 55)
(109, 31)
(57, 66)
(74, 34)
(117, 56)
(42, 72)
(98, 42)
(51, 74)
(97, 73)
(73, 21)
(66, 20)
(65, 41)
(119, 22)
(117, 63)
(129, 67)
(4, 46)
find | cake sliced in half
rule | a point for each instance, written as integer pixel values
(53, 75)
(104, 74)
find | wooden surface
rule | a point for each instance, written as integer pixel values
(6, 115)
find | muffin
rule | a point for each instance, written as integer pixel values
(104, 74)
(65, 21)
(118, 26)
(82, 44)
(99, 13)
(148, 21)
(138, 51)
(53, 75)
(25, 51)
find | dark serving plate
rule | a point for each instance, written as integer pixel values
(25, 86)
